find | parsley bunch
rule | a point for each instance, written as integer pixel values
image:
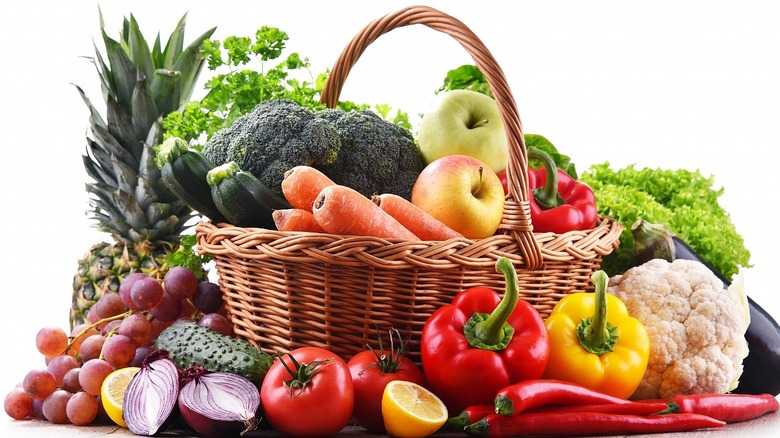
(247, 71)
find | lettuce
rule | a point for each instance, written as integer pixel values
(684, 200)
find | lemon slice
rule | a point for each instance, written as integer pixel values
(112, 392)
(411, 411)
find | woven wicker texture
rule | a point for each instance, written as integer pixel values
(285, 290)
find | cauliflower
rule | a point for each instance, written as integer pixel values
(696, 327)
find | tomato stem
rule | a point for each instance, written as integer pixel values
(301, 373)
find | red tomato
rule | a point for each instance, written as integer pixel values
(318, 401)
(371, 371)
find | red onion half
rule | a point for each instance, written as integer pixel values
(218, 403)
(150, 397)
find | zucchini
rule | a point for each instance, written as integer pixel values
(760, 367)
(189, 343)
(184, 171)
(242, 198)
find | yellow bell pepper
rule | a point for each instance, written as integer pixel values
(595, 343)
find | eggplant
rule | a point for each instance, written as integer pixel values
(760, 374)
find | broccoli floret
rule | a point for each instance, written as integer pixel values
(358, 149)
(275, 136)
(376, 156)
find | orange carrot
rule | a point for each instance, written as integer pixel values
(302, 184)
(296, 219)
(415, 219)
(343, 210)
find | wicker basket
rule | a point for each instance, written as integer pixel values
(285, 290)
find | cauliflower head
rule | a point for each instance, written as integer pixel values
(696, 327)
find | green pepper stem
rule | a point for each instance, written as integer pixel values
(492, 331)
(546, 196)
(596, 334)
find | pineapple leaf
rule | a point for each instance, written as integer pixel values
(164, 86)
(126, 178)
(131, 211)
(138, 49)
(190, 64)
(174, 45)
(94, 116)
(122, 73)
(144, 108)
(93, 170)
(123, 128)
(105, 141)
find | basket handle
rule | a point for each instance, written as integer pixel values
(517, 217)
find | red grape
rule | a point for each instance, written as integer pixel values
(118, 351)
(59, 365)
(82, 409)
(146, 293)
(18, 404)
(180, 282)
(217, 322)
(109, 305)
(168, 309)
(207, 297)
(70, 381)
(126, 287)
(137, 328)
(55, 405)
(51, 341)
(39, 384)
(91, 347)
(92, 375)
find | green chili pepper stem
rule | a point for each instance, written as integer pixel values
(546, 196)
(596, 334)
(492, 332)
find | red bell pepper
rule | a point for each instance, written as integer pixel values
(482, 342)
(558, 202)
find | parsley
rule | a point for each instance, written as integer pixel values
(248, 71)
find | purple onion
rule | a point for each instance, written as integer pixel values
(150, 397)
(218, 403)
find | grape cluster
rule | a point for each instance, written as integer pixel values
(120, 332)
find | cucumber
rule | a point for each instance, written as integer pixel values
(242, 198)
(184, 171)
(188, 343)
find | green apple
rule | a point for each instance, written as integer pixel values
(463, 193)
(464, 122)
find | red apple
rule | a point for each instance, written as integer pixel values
(463, 192)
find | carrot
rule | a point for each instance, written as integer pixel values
(302, 184)
(415, 219)
(343, 210)
(296, 219)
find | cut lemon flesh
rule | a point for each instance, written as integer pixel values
(411, 411)
(112, 392)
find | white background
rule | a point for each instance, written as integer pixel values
(690, 84)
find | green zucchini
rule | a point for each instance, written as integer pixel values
(189, 343)
(242, 198)
(184, 171)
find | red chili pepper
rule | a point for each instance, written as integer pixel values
(631, 408)
(470, 414)
(481, 343)
(587, 423)
(519, 397)
(558, 202)
(731, 408)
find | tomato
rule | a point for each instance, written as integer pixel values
(308, 392)
(371, 371)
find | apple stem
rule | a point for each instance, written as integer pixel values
(546, 196)
(480, 123)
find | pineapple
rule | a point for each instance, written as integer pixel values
(128, 200)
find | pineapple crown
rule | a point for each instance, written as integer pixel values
(128, 199)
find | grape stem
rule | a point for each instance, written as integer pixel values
(94, 325)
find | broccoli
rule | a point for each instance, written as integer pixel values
(354, 148)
